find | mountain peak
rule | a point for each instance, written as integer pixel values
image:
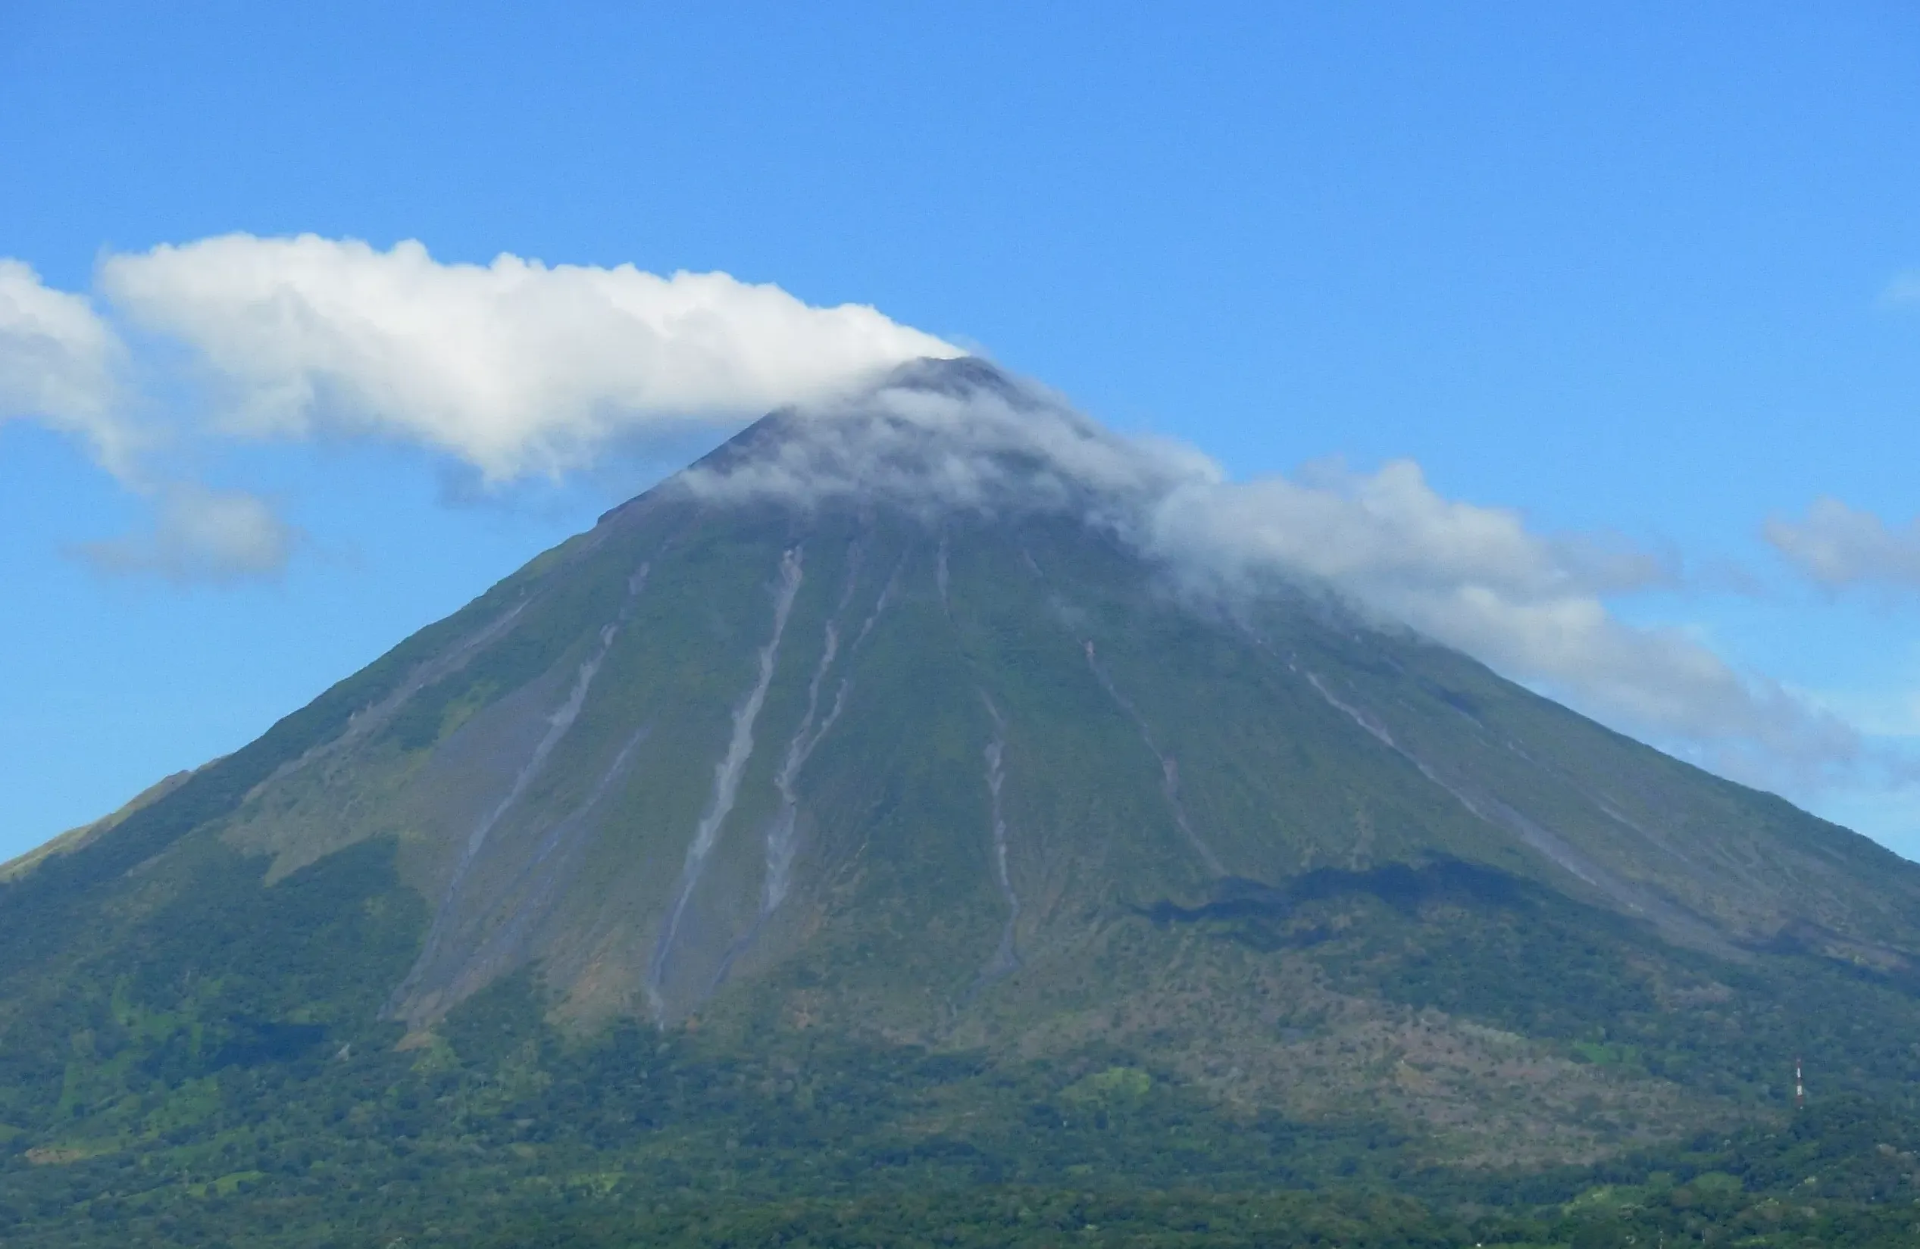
(942, 438)
(956, 375)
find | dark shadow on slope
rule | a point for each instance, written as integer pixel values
(1458, 937)
(253, 1042)
(1261, 911)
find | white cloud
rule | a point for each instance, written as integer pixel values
(59, 363)
(1840, 546)
(1473, 577)
(514, 367)
(201, 536)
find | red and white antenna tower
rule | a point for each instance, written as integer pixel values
(1799, 1088)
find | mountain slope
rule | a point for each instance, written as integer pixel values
(74, 838)
(708, 735)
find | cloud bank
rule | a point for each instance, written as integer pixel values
(513, 367)
(1475, 578)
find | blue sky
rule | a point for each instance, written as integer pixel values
(1642, 270)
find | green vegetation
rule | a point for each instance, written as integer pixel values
(230, 1085)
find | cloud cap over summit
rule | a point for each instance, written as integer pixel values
(964, 437)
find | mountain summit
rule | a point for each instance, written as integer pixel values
(881, 724)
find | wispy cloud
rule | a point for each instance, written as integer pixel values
(200, 536)
(1904, 289)
(1841, 547)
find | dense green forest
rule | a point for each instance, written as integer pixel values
(233, 1086)
(506, 1134)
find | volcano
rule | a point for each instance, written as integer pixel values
(877, 728)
